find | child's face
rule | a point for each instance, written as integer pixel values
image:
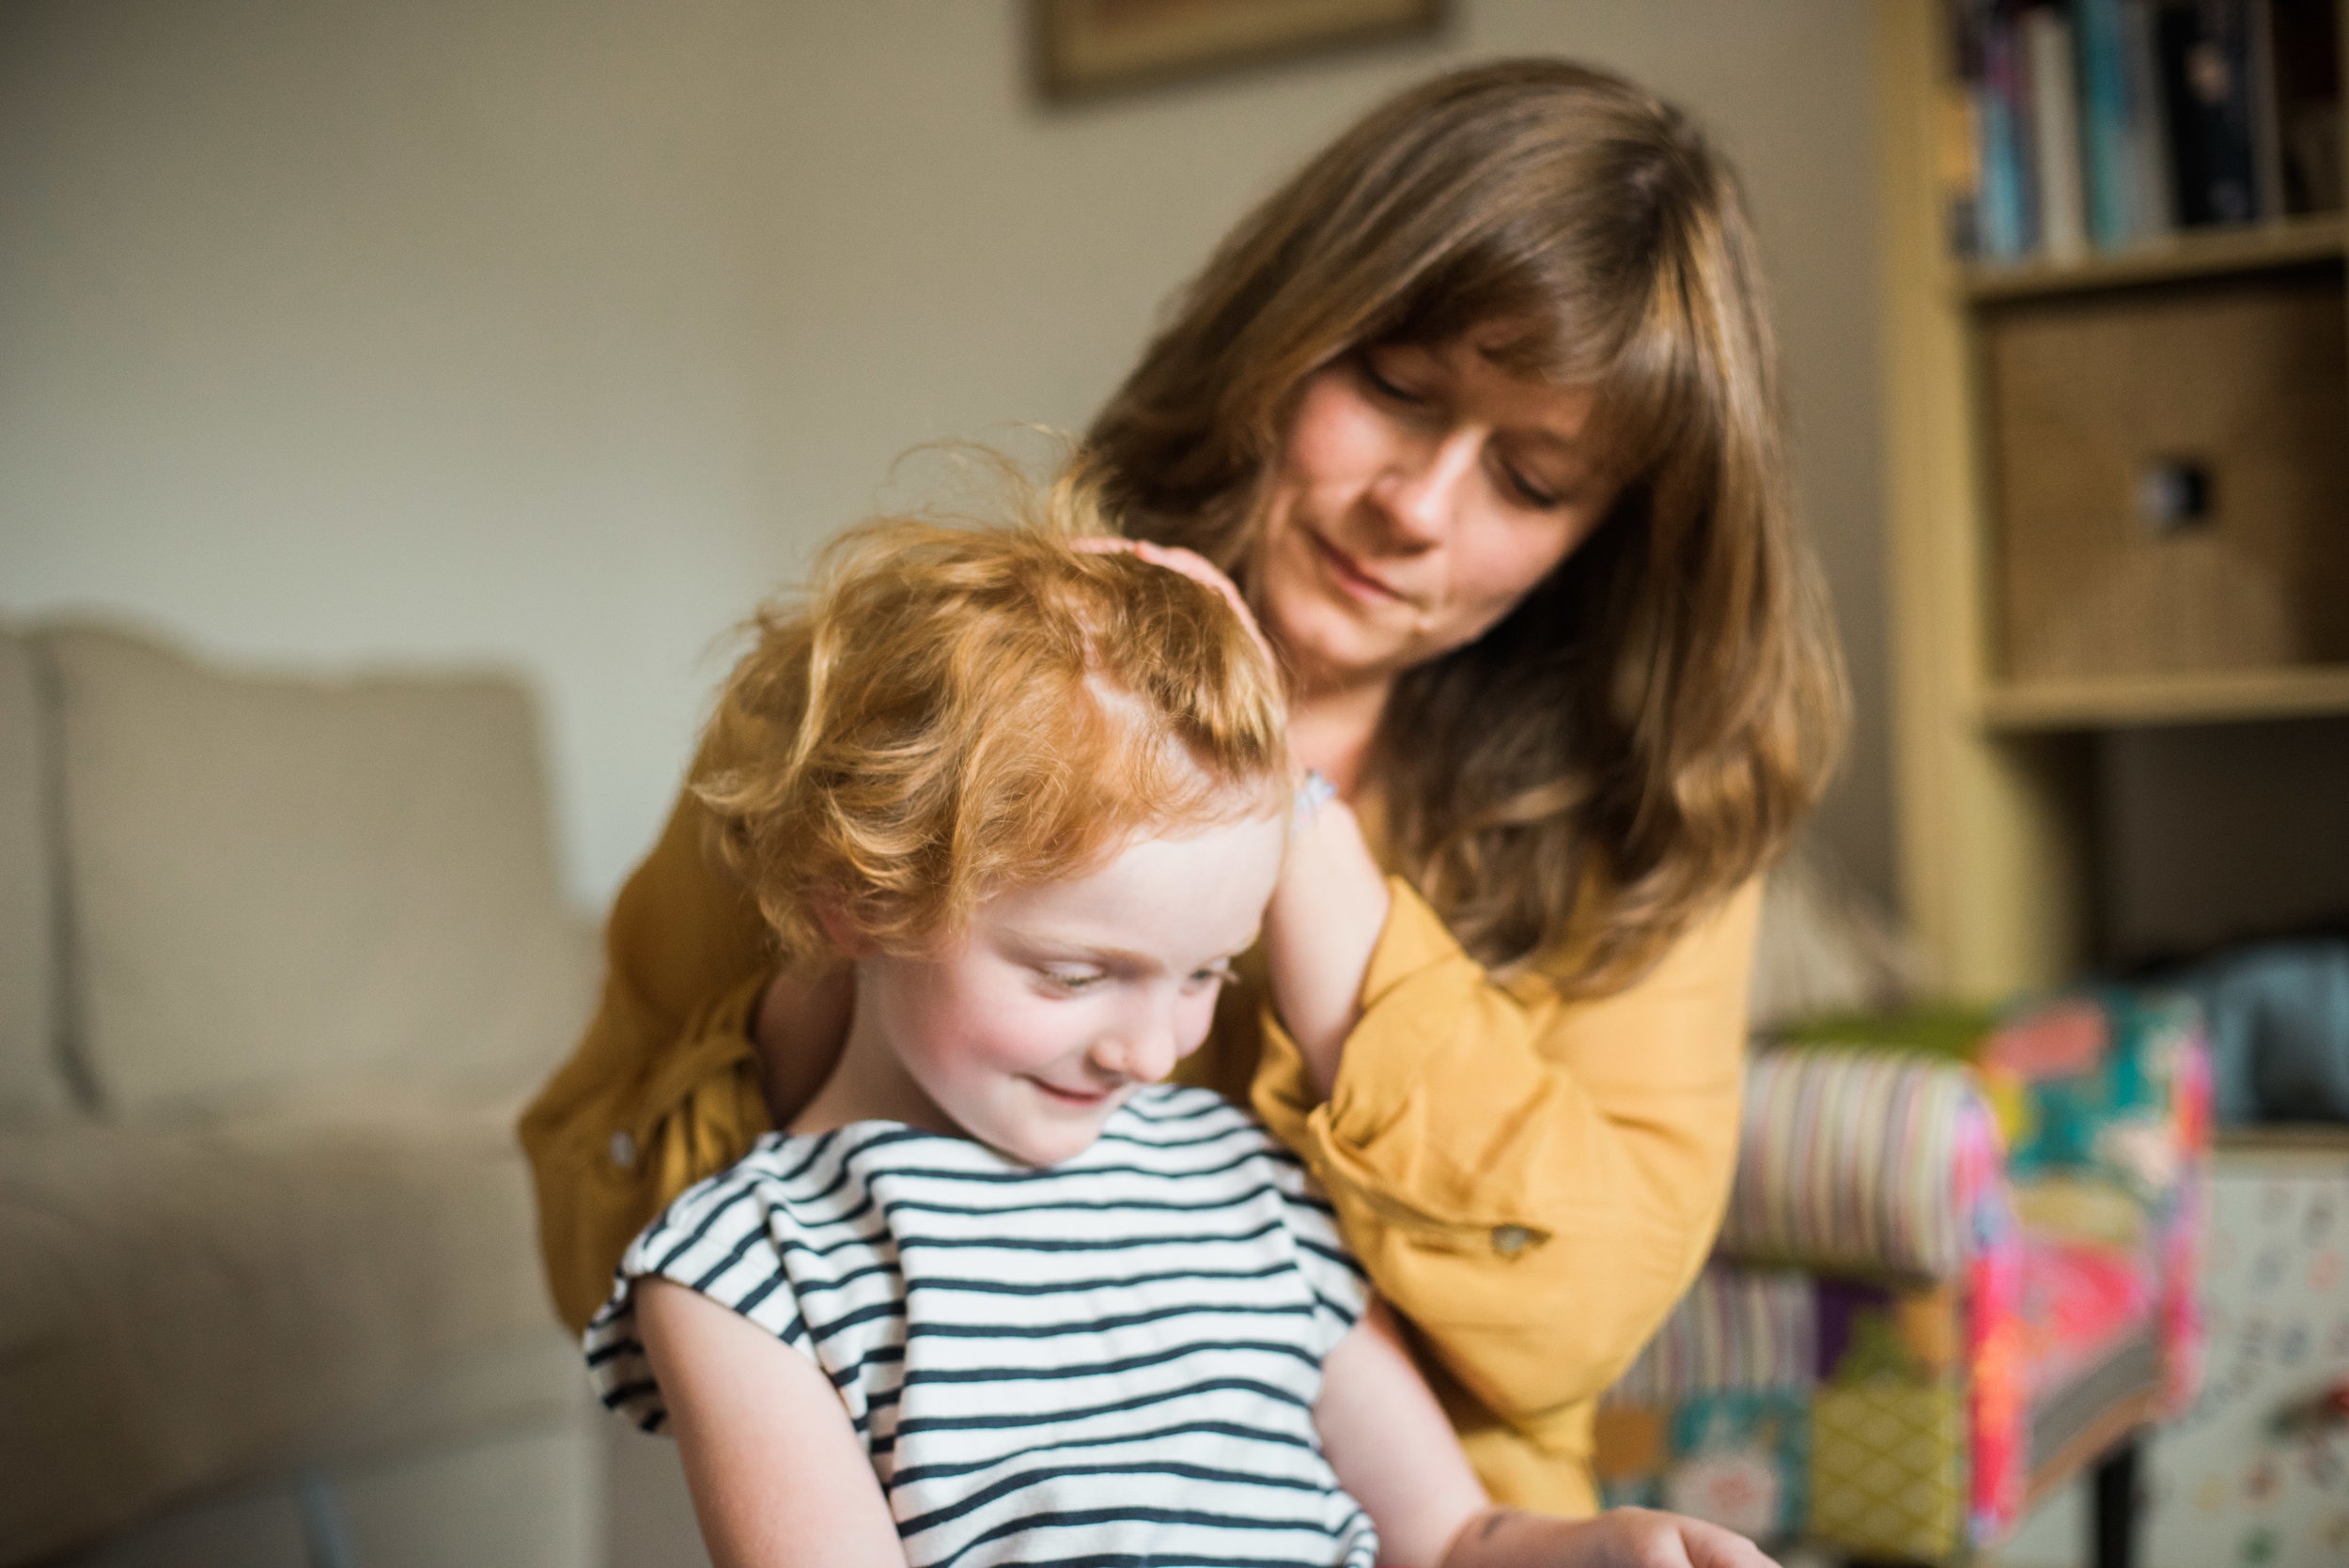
(1066, 997)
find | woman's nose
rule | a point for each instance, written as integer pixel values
(1422, 488)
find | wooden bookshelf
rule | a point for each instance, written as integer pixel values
(2322, 1142)
(2177, 259)
(2231, 696)
(2002, 775)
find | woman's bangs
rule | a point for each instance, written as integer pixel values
(1653, 398)
(1563, 333)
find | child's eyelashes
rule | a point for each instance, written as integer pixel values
(1214, 974)
(1077, 982)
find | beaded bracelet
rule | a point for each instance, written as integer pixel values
(1314, 791)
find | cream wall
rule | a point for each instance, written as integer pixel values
(553, 333)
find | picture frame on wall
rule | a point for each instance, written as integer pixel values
(1087, 48)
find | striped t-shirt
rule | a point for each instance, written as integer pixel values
(1113, 1359)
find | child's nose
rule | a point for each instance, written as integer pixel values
(1144, 1050)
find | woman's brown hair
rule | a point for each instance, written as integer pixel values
(1642, 732)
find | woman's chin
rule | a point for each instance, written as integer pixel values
(1335, 653)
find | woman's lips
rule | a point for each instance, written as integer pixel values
(1351, 577)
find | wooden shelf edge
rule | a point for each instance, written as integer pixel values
(2177, 699)
(2176, 258)
(2327, 1140)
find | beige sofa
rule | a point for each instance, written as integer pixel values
(278, 961)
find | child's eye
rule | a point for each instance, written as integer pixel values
(1214, 974)
(1073, 980)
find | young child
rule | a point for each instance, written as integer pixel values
(997, 1295)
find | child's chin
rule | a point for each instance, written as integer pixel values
(1048, 1145)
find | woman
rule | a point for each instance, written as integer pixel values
(1479, 414)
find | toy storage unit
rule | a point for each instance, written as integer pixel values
(2257, 1470)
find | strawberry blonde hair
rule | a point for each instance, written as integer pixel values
(951, 711)
(1666, 706)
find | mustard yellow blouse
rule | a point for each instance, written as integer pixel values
(1532, 1182)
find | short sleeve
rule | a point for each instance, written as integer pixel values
(1341, 1291)
(718, 1239)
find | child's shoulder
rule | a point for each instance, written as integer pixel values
(809, 1176)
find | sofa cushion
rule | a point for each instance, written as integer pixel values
(180, 1307)
(33, 1086)
(281, 885)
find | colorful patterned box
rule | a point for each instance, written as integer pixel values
(1963, 1249)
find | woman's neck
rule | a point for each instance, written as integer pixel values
(1330, 729)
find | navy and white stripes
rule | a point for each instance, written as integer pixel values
(1112, 1360)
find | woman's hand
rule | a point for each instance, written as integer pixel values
(1191, 565)
(1619, 1538)
(1331, 903)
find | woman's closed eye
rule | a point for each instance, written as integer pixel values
(1544, 484)
(1385, 383)
(1531, 493)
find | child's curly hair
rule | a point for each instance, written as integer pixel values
(950, 712)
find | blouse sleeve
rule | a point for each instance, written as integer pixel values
(664, 1087)
(1532, 1181)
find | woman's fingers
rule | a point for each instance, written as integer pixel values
(1190, 564)
(1618, 1538)
(1711, 1547)
(1675, 1541)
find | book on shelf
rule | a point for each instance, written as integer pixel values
(2207, 69)
(2055, 132)
(2073, 124)
(2306, 77)
(2107, 124)
(2124, 132)
(2153, 195)
(1995, 212)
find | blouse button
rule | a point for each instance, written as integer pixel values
(623, 1150)
(1509, 1240)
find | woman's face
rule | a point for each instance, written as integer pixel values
(1421, 493)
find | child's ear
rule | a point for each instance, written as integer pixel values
(838, 929)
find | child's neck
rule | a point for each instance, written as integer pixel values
(869, 1083)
